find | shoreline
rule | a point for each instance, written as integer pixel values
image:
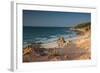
(73, 48)
(53, 44)
(50, 42)
(73, 39)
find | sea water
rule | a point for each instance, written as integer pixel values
(45, 34)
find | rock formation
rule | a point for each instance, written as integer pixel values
(61, 42)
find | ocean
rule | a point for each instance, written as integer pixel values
(45, 34)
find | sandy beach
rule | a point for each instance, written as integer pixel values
(77, 48)
(81, 40)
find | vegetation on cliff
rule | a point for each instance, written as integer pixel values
(83, 25)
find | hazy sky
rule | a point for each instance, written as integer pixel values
(50, 18)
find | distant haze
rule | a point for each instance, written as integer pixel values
(54, 19)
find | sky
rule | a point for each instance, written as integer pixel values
(54, 19)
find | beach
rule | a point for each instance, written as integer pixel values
(78, 40)
(77, 48)
(71, 48)
(56, 36)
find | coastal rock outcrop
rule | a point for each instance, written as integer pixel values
(61, 42)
